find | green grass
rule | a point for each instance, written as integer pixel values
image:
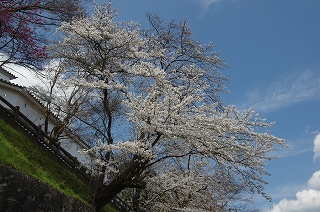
(17, 151)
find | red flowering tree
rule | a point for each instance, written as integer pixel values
(24, 28)
(18, 24)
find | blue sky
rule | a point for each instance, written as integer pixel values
(272, 48)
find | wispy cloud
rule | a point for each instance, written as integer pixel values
(285, 91)
(205, 4)
(211, 5)
(300, 145)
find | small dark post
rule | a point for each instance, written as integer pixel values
(75, 162)
(38, 132)
(58, 148)
(16, 113)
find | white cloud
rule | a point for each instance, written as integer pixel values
(286, 91)
(314, 181)
(316, 148)
(307, 200)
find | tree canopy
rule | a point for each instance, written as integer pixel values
(163, 131)
(149, 99)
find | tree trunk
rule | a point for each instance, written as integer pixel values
(107, 193)
(130, 178)
(136, 200)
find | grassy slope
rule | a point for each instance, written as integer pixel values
(25, 156)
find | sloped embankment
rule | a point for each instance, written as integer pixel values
(19, 192)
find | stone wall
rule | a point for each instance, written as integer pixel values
(19, 192)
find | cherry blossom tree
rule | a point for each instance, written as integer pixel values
(174, 144)
(25, 27)
(65, 102)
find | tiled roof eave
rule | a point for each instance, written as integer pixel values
(8, 74)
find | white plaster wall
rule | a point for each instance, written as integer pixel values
(26, 106)
(73, 148)
(30, 110)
